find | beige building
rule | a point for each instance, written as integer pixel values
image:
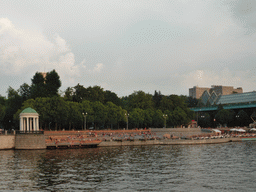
(197, 92)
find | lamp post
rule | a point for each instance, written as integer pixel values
(84, 114)
(197, 118)
(164, 120)
(127, 115)
(237, 119)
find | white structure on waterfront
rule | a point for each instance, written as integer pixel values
(29, 120)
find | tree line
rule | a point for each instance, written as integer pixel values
(225, 117)
(103, 109)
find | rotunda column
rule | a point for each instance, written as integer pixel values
(37, 123)
(21, 125)
(27, 123)
(34, 123)
(30, 124)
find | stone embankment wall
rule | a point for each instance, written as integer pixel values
(7, 141)
(30, 141)
(167, 142)
(179, 132)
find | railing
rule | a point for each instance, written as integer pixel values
(29, 132)
(7, 132)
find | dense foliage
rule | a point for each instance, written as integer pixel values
(104, 109)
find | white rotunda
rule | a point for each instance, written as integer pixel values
(29, 120)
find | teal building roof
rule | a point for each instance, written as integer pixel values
(29, 110)
(248, 97)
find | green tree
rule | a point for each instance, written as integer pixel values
(25, 92)
(112, 97)
(2, 109)
(136, 117)
(191, 102)
(204, 120)
(121, 115)
(224, 116)
(87, 108)
(242, 118)
(158, 119)
(52, 83)
(38, 88)
(95, 93)
(69, 94)
(166, 104)
(157, 97)
(2, 113)
(99, 113)
(13, 103)
(148, 117)
(112, 113)
(74, 117)
(79, 93)
(141, 100)
(58, 111)
(180, 117)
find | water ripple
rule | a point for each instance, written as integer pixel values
(221, 167)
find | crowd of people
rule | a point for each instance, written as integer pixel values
(85, 137)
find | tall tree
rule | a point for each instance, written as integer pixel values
(136, 117)
(157, 97)
(158, 119)
(13, 103)
(52, 83)
(99, 113)
(191, 102)
(225, 116)
(2, 113)
(80, 93)
(95, 93)
(148, 117)
(38, 88)
(166, 104)
(69, 94)
(242, 118)
(112, 97)
(141, 100)
(112, 113)
(25, 92)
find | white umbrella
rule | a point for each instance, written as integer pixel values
(234, 129)
(216, 130)
(252, 129)
(241, 130)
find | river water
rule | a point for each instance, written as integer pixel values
(213, 167)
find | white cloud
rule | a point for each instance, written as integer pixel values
(24, 51)
(98, 68)
(225, 77)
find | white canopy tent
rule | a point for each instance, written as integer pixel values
(216, 130)
(241, 130)
(234, 129)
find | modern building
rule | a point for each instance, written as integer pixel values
(233, 101)
(197, 92)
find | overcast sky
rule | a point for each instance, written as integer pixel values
(130, 45)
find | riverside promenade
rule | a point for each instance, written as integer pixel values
(109, 138)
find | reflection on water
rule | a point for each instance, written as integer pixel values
(220, 167)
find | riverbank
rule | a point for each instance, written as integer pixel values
(167, 142)
(108, 138)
